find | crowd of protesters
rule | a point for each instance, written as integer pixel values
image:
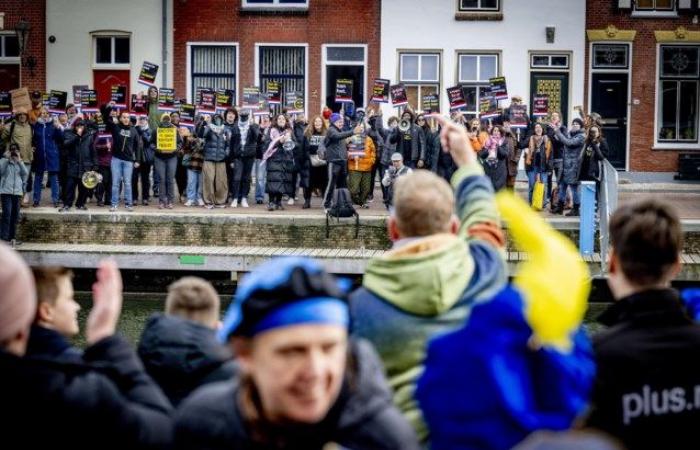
(436, 349)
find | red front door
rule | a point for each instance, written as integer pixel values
(9, 77)
(105, 79)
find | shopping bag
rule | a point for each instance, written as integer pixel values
(538, 196)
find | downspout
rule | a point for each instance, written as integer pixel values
(164, 42)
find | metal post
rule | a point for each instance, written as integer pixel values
(587, 222)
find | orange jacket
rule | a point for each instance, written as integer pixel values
(479, 140)
(365, 163)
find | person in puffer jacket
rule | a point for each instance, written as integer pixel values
(13, 178)
(217, 140)
(48, 136)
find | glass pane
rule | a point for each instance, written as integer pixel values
(560, 61)
(540, 60)
(11, 46)
(345, 54)
(470, 93)
(216, 59)
(489, 4)
(488, 67)
(413, 94)
(680, 61)
(468, 4)
(121, 50)
(409, 67)
(467, 68)
(609, 55)
(429, 68)
(688, 114)
(645, 4)
(103, 50)
(669, 96)
(664, 4)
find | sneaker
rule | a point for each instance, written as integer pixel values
(366, 206)
(221, 206)
(113, 209)
(82, 208)
(161, 205)
(200, 202)
(209, 206)
(244, 203)
(279, 207)
(270, 206)
(169, 206)
(64, 209)
(144, 203)
(234, 203)
(290, 202)
(25, 199)
(307, 204)
(35, 204)
(189, 203)
(129, 208)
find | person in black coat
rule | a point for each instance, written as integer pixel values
(279, 158)
(82, 157)
(243, 157)
(494, 156)
(594, 151)
(109, 398)
(410, 143)
(231, 125)
(302, 163)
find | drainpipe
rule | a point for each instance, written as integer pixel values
(164, 42)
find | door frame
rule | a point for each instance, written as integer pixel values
(256, 72)
(554, 70)
(325, 63)
(628, 71)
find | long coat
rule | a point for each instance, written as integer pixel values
(497, 169)
(573, 145)
(81, 152)
(47, 139)
(280, 171)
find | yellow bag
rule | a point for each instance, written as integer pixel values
(538, 196)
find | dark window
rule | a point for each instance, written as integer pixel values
(11, 47)
(679, 61)
(345, 54)
(610, 56)
(477, 5)
(285, 65)
(213, 67)
(257, 4)
(678, 99)
(103, 50)
(121, 50)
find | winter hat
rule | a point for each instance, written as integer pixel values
(578, 121)
(165, 117)
(335, 117)
(397, 157)
(286, 292)
(327, 113)
(18, 294)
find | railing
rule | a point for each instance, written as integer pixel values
(608, 204)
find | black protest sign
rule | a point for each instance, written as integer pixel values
(398, 95)
(343, 90)
(138, 105)
(518, 116)
(225, 99)
(5, 105)
(540, 105)
(498, 88)
(148, 74)
(57, 102)
(488, 107)
(294, 102)
(187, 113)
(251, 98)
(77, 89)
(118, 96)
(274, 92)
(88, 101)
(431, 103)
(207, 101)
(380, 91)
(456, 96)
(166, 99)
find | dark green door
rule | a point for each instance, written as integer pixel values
(556, 85)
(609, 99)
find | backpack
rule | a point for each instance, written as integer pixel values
(341, 206)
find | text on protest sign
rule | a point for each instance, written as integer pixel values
(499, 91)
(398, 95)
(148, 74)
(343, 91)
(167, 139)
(380, 91)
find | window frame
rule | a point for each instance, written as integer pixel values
(7, 59)
(654, 12)
(189, 62)
(549, 57)
(274, 5)
(628, 51)
(258, 75)
(421, 84)
(461, 9)
(477, 83)
(113, 36)
(676, 144)
(325, 62)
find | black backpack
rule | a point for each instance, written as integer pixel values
(341, 207)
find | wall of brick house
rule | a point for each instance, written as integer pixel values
(600, 14)
(34, 12)
(339, 21)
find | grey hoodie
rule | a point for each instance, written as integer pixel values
(13, 176)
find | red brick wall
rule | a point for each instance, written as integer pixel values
(600, 14)
(34, 12)
(338, 21)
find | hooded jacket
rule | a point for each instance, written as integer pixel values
(13, 176)
(216, 142)
(362, 417)
(428, 286)
(127, 144)
(573, 147)
(80, 152)
(336, 147)
(181, 355)
(47, 138)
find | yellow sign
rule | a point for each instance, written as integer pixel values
(167, 140)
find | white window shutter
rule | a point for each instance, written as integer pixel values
(684, 4)
(624, 4)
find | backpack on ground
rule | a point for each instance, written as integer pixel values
(341, 207)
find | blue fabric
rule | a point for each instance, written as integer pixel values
(122, 171)
(576, 197)
(46, 154)
(691, 299)
(484, 387)
(194, 185)
(39, 184)
(325, 310)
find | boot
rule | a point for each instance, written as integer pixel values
(307, 204)
(558, 208)
(574, 212)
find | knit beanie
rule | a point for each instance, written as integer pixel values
(335, 117)
(18, 294)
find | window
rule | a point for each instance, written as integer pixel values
(678, 94)
(654, 5)
(285, 65)
(9, 47)
(538, 61)
(473, 74)
(420, 73)
(112, 50)
(610, 56)
(478, 5)
(263, 5)
(212, 66)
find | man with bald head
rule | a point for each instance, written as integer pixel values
(106, 402)
(447, 254)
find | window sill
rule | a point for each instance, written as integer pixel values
(268, 11)
(474, 16)
(653, 15)
(675, 147)
(111, 66)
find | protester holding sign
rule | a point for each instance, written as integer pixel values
(48, 137)
(167, 143)
(279, 157)
(494, 155)
(80, 149)
(360, 176)
(152, 108)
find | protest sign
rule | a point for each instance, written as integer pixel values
(5, 105)
(518, 116)
(187, 113)
(148, 74)
(166, 99)
(88, 101)
(456, 96)
(207, 101)
(20, 99)
(294, 102)
(356, 146)
(488, 107)
(274, 92)
(225, 99)
(166, 139)
(380, 91)
(498, 88)
(343, 91)
(118, 96)
(431, 103)
(77, 89)
(540, 105)
(57, 102)
(251, 98)
(398, 95)
(138, 105)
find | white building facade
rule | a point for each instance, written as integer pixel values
(538, 45)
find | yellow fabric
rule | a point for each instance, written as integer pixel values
(538, 196)
(554, 281)
(167, 140)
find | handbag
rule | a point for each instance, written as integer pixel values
(538, 196)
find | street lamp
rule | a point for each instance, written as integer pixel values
(22, 29)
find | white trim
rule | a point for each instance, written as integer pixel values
(479, 54)
(479, 8)
(420, 56)
(628, 71)
(275, 5)
(111, 35)
(325, 63)
(188, 62)
(256, 73)
(9, 59)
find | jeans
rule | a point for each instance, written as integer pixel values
(531, 179)
(240, 186)
(194, 185)
(557, 167)
(10, 216)
(574, 193)
(103, 191)
(165, 168)
(122, 171)
(260, 179)
(142, 172)
(39, 183)
(337, 178)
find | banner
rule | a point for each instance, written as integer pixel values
(251, 98)
(398, 95)
(498, 88)
(77, 89)
(380, 91)
(138, 106)
(148, 74)
(166, 99)
(57, 102)
(5, 105)
(456, 96)
(225, 99)
(118, 96)
(166, 139)
(431, 103)
(488, 107)
(540, 105)
(88, 101)
(274, 93)
(187, 113)
(294, 102)
(343, 91)
(263, 106)
(20, 99)
(207, 101)
(518, 116)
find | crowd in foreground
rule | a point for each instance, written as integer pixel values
(436, 349)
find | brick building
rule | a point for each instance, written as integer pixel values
(642, 75)
(304, 44)
(31, 70)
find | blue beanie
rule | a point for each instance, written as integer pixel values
(335, 117)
